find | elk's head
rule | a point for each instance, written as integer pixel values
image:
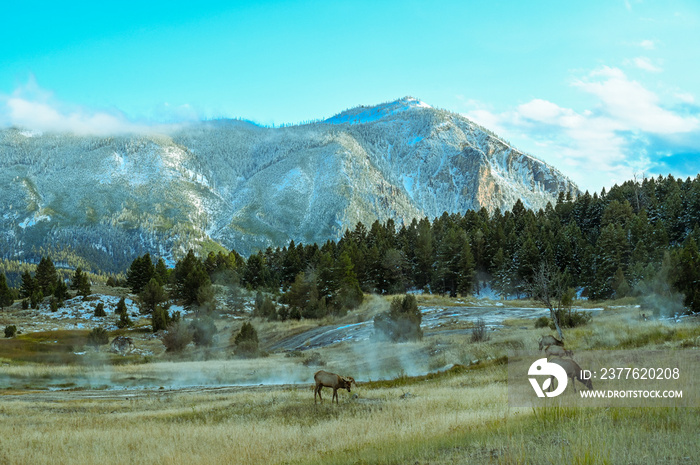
(347, 382)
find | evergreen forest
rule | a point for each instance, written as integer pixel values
(638, 239)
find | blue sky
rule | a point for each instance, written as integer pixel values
(603, 90)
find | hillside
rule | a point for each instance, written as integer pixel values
(105, 200)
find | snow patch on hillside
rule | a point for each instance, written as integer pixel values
(364, 114)
(31, 221)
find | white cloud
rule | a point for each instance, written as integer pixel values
(648, 44)
(646, 64)
(632, 105)
(600, 146)
(549, 113)
(685, 97)
(31, 107)
(41, 116)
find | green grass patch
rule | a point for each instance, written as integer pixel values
(659, 335)
(455, 370)
(551, 435)
(50, 347)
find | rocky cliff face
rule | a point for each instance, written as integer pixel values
(105, 200)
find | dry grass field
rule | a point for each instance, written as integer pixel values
(189, 409)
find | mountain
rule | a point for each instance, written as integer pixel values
(100, 201)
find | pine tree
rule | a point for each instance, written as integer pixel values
(326, 282)
(255, 274)
(501, 274)
(450, 273)
(465, 285)
(424, 255)
(121, 307)
(60, 291)
(122, 311)
(527, 260)
(161, 272)
(291, 264)
(152, 296)
(189, 276)
(81, 283)
(246, 341)
(159, 319)
(687, 278)
(612, 249)
(46, 275)
(124, 321)
(28, 286)
(393, 271)
(6, 297)
(140, 273)
(100, 310)
(349, 295)
(620, 285)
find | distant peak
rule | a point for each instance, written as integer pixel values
(366, 114)
(412, 102)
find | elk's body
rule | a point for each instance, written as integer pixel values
(557, 351)
(573, 371)
(331, 380)
(549, 341)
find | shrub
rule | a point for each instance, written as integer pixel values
(479, 332)
(401, 322)
(53, 304)
(100, 310)
(36, 298)
(121, 307)
(124, 321)
(542, 322)
(265, 308)
(283, 314)
(160, 319)
(177, 336)
(203, 331)
(246, 341)
(10, 331)
(295, 313)
(571, 318)
(314, 360)
(98, 337)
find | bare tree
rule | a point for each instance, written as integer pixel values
(548, 287)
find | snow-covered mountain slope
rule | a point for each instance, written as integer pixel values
(246, 187)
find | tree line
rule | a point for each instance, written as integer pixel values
(640, 238)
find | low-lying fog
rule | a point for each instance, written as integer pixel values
(293, 361)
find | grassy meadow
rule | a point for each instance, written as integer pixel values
(439, 401)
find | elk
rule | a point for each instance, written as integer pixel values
(122, 344)
(549, 341)
(331, 380)
(573, 371)
(558, 351)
